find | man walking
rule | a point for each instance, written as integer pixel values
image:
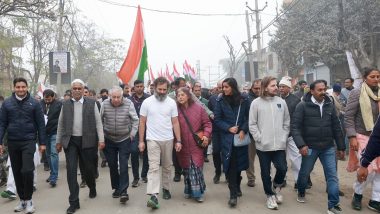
(159, 117)
(79, 127)
(138, 98)
(120, 123)
(51, 108)
(269, 123)
(315, 126)
(22, 117)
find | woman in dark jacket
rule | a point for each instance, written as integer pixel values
(191, 156)
(235, 159)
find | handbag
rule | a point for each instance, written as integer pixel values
(198, 137)
(237, 141)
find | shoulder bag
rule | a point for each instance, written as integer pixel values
(198, 137)
(237, 141)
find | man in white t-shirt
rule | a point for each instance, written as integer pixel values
(159, 115)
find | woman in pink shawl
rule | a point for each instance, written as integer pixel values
(192, 119)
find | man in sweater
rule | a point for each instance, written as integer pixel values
(269, 125)
(120, 124)
(315, 127)
(51, 108)
(79, 127)
(22, 118)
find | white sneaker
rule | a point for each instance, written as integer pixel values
(29, 207)
(271, 202)
(20, 207)
(279, 197)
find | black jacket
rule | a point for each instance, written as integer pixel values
(22, 119)
(292, 102)
(53, 111)
(372, 150)
(308, 128)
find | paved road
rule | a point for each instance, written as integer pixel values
(48, 200)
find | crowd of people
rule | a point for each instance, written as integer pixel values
(174, 124)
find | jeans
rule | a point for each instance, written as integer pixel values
(278, 158)
(217, 152)
(328, 160)
(52, 156)
(73, 152)
(114, 152)
(135, 154)
(21, 154)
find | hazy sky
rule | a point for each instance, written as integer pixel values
(173, 37)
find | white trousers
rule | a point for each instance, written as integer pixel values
(374, 179)
(294, 156)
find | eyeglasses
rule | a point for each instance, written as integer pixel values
(77, 89)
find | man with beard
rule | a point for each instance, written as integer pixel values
(138, 98)
(51, 108)
(159, 117)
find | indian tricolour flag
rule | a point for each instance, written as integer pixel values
(136, 62)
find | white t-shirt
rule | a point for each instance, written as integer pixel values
(159, 116)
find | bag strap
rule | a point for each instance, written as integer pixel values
(187, 120)
(237, 118)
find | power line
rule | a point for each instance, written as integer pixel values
(170, 11)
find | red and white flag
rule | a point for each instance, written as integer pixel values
(176, 73)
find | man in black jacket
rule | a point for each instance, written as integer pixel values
(51, 108)
(314, 128)
(21, 116)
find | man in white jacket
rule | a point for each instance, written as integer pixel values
(269, 125)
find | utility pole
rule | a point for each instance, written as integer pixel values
(257, 36)
(59, 42)
(249, 51)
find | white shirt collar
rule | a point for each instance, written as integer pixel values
(316, 102)
(81, 100)
(20, 98)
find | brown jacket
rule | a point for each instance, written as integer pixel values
(353, 120)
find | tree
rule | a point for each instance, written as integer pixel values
(321, 31)
(28, 8)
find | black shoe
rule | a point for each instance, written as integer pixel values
(53, 184)
(124, 197)
(374, 205)
(216, 179)
(135, 183)
(309, 184)
(206, 159)
(92, 193)
(251, 183)
(341, 193)
(72, 209)
(232, 202)
(116, 194)
(48, 180)
(46, 167)
(177, 177)
(166, 194)
(356, 202)
(83, 184)
(103, 164)
(144, 179)
(295, 186)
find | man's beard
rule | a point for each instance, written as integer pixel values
(160, 97)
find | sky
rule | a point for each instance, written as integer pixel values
(174, 37)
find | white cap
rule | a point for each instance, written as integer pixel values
(286, 81)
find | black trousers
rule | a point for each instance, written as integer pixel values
(73, 153)
(233, 175)
(21, 154)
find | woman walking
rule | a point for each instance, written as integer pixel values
(192, 119)
(231, 117)
(362, 111)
